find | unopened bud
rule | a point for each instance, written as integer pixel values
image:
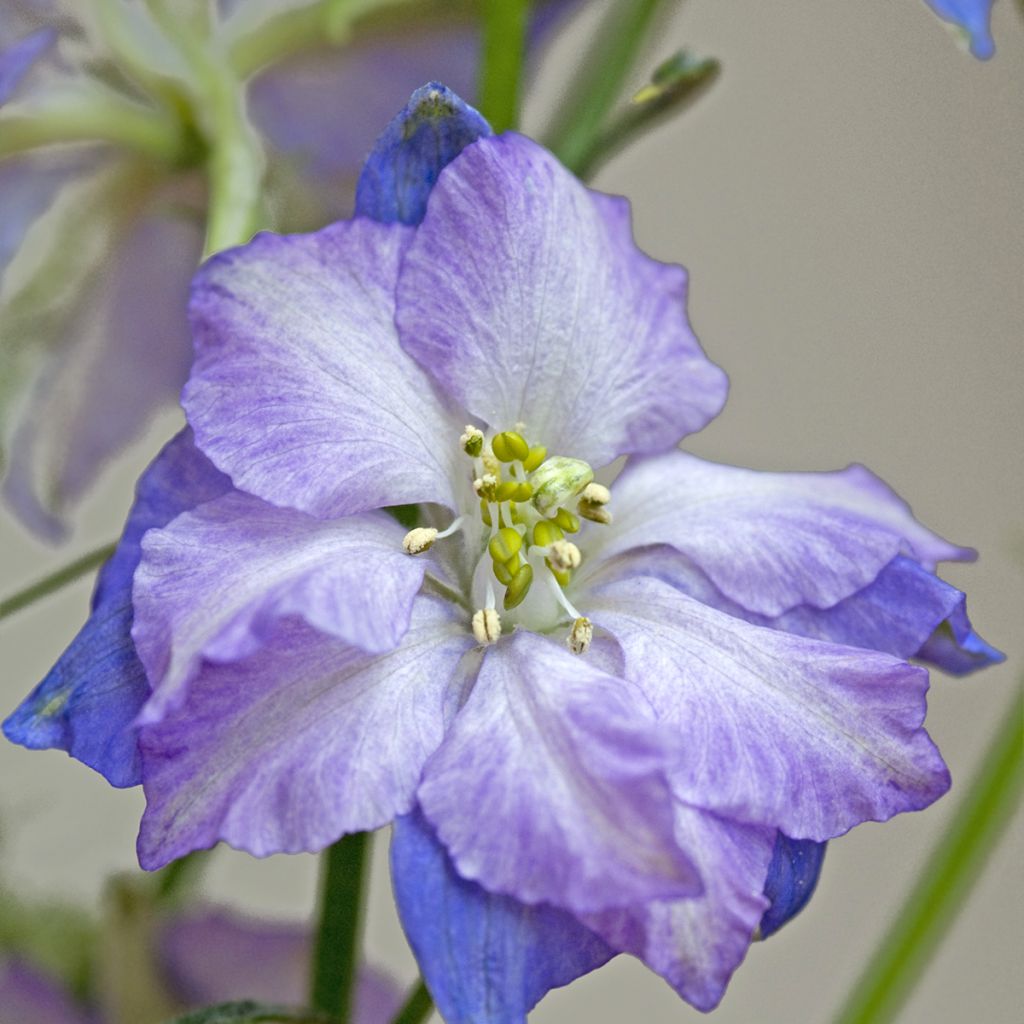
(558, 480)
(419, 540)
(580, 636)
(486, 626)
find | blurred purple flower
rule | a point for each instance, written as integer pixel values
(972, 18)
(206, 955)
(614, 756)
(108, 346)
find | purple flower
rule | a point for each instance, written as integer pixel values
(606, 717)
(203, 956)
(971, 18)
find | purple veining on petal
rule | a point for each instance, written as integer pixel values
(795, 734)
(517, 294)
(571, 768)
(300, 391)
(769, 541)
(215, 582)
(305, 741)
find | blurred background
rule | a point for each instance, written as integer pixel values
(849, 201)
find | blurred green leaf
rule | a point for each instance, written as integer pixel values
(249, 1013)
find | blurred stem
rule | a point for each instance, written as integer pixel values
(416, 1007)
(55, 581)
(599, 81)
(179, 875)
(501, 65)
(955, 865)
(96, 119)
(335, 955)
(275, 39)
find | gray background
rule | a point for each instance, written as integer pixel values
(848, 201)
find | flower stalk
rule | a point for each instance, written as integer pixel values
(955, 865)
(501, 67)
(416, 1007)
(55, 581)
(338, 933)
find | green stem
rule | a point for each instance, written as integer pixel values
(416, 1007)
(603, 72)
(61, 578)
(96, 119)
(335, 956)
(501, 66)
(954, 867)
(179, 875)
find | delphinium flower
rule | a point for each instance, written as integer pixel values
(606, 714)
(103, 141)
(201, 956)
(971, 18)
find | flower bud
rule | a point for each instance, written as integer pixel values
(558, 480)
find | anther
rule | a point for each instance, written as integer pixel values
(486, 626)
(505, 544)
(596, 494)
(509, 446)
(486, 486)
(546, 532)
(472, 440)
(517, 590)
(563, 555)
(419, 540)
(580, 636)
(538, 453)
(567, 521)
(592, 503)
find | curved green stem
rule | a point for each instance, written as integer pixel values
(335, 955)
(501, 67)
(603, 72)
(416, 1007)
(61, 578)
(94, 119)
(952, 870)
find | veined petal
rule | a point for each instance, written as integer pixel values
(89, 701)
(905, 611)
(525, 297)
(792, 876)
(769, 541)
(304, 742)
(807, 737)
(300, 390)
(571, 768)
(486, 959)
(214, 955)
(398, 176)
(215, 582)
(696, 944)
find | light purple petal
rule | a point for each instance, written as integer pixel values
(551, 785)
(214, 583)
(29, 997)
(525, 297)
(806, 737)
(696, 944)
(129, 356)
(300, 391)
(973, 18)
(307, 740)
(214, 955)
(768, 541)
(16, 60)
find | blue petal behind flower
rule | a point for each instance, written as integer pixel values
(972, 17)
(88, 702)
(792, 877)
(17, 59)
(484, 957)
(432, 130)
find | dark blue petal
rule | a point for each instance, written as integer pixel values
(956, 648)
(420, 142)
(17, 59)
(88, 702)
(973, 16)
(486, 959)
(792, 876)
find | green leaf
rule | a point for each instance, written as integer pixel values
(248, 1012)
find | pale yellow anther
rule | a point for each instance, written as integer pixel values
(419, 540)
(486, 626)
(595, 513)
(486, 486)
(596, 494)
(563, 555)
(491, 464)
(580, 636)
(472, 440)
